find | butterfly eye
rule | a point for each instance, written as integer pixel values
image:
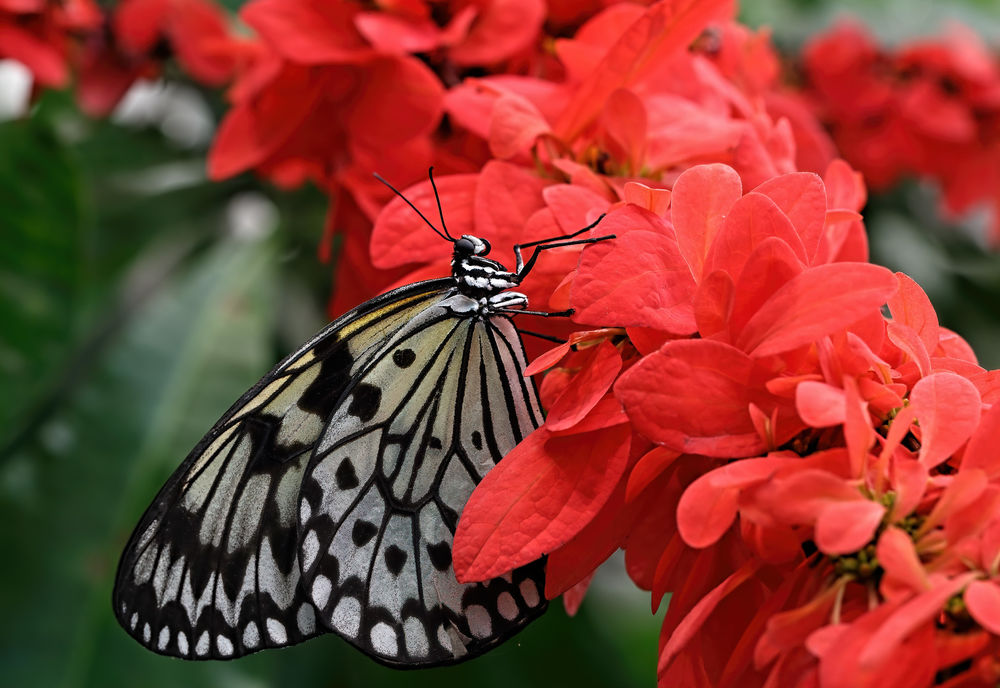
(465, 245)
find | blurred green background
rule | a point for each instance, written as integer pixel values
(137, 300)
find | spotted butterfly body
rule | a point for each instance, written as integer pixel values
(326, 498)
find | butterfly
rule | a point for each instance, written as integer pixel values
(326, 498)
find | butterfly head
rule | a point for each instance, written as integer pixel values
(470, 245)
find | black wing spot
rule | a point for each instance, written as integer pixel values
(395, 558)
(434, 443)
(365, 400)
(363, 532)
(347, 478)
(404, 358)
(477, 439)
(440, 555)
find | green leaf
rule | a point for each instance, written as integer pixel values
(93, 467)
(40, 226)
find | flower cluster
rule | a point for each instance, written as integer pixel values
(930, 109)
(110, 50)
(777, 432)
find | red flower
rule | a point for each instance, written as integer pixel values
(38, 34)
(142, 33)
(931, 108)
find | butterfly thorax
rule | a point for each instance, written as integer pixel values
(479, 277)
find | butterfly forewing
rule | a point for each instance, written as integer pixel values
(211, 570)
(390, 475)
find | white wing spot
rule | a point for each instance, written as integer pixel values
(163, 639)
(479, 621)
(147, 633)
(133, 621)
(305, 511)
(444, 640)
(202, 646)
(415, 637)
(224, 645)
(277, 631)
(310, 548)
(383, 637)
(251, 635)
(507, 606)
(182, 642)
(347, 616)
(306, 619)
(529, 591)
(321, 591)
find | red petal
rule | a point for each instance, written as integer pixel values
(586, 388)
(713, 303)
(373, 119)
(656, 201)
(752, 220)
(819, 404)
(845, 188)
(541, 495)
(910, 306)
(647, 469)
(844, 527)
(575, 207)
(963, 489)
(638, 279)
(696, 618)
(702, 196)
(308, 31)
(947, 407)
(502, 28)
(771, 266)
(390, 33)
(46, 63)
(573, 597)
(909, 343)
(983, 601)
(664, 30)
(818, 302)
(606, 413)
(256, 128)
(547, 360)
(624, 121)
(138, 24)
(506, 196)
(514, 126)
(982, 449)
(802, 197)
(577, 560)
(797, 497)
(919, 611)
(692, 396)
(898, 556)
(400, 237)
(709, 505)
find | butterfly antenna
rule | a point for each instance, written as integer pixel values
(415, 209)
(430, 173)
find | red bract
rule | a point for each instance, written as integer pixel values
(38, 34)
(930, 108)
(141, 34)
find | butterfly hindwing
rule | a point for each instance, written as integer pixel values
(388, 479)
(211, 571)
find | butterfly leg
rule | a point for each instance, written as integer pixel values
(524, 269)
(508, 300)
(518, 247)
